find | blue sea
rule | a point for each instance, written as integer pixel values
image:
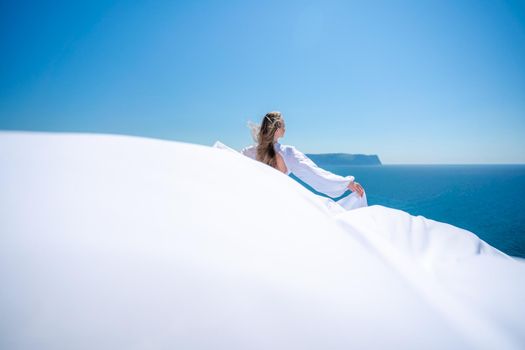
(488, 200)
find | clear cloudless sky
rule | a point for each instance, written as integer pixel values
(412, 81)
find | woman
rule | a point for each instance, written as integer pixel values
(288, 159)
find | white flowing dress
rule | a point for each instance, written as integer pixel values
(304, 168)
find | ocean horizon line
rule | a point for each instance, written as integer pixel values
(209, 145)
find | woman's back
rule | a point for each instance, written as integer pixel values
(251, 151)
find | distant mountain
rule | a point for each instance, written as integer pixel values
(331, 159)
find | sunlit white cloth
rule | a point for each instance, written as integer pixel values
(353, 201)
(121, 242)
(305, 169)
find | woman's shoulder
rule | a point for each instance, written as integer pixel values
(285, 149)
(289, 150)
(250, 151)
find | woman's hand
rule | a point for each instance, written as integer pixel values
(356, 187)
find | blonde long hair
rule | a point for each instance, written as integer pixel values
(263, 134)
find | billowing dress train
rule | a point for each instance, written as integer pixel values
(321, 180)
(147, 243)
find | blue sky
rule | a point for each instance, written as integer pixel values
(411, 81)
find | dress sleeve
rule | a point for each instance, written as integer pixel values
(321, 180)
(249, 151)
